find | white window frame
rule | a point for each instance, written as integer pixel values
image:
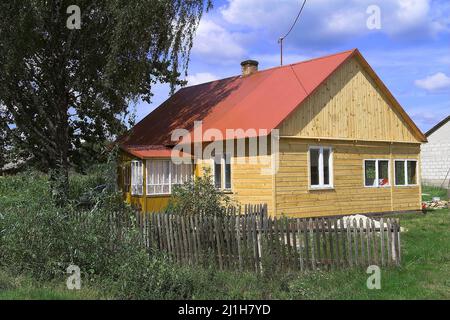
(377, 178)
(222, 171)
(137, 189)
(171, 183)
(405, 168)
(321, 185)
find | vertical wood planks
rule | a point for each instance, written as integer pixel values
(246, 241)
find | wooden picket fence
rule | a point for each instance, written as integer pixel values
(251, 240)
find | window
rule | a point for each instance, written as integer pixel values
(405, 172)
(376, 173)
(222, 171)
(137, 177)
(126, 177)
(321, 167)
(162, 175)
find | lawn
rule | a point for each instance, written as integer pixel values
(428, 193)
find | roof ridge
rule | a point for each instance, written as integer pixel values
(310, 60)
(276, 67)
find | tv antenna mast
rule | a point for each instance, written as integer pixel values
(280, 40)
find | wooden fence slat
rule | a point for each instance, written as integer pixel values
(355, 245)
(330, 238)
(362, 241)
(375, 244)
(399, 243)
(238, 238)
(389, 246)
(381, 235)
(396, 244)
(316, 260)
(219, 242)
(349, 242)
(255, 243)
(336, 239)
(300, 249)
(368, 242)
(307, 227)
(324, 243)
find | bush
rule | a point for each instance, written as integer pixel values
(198, 196)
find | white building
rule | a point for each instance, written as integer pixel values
(436, 155)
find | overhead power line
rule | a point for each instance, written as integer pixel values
(280, 40)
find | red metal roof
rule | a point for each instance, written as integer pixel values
(259, 101)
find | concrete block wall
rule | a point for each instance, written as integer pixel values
(436, 157)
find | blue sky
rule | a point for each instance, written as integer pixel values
(410, 52)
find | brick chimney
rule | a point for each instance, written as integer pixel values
(249, 67)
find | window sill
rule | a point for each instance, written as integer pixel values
(321, 188)
(378, 187)
(225, 191)
(158, 195)
(406, 185)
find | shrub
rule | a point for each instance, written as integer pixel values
(198, 196)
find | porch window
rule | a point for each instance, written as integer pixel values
(376, 173)
(126, 177)
(321, 167)
(137, 178)
(163, 175)
(405, 172)
(222, 171)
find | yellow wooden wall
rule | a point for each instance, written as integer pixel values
(294, 197)
(349, 105)
(249, 183)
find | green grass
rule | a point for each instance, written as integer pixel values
(25, 288)
(430, 192)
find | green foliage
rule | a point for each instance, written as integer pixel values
(65, 93)
(41, 240)
(198, 196)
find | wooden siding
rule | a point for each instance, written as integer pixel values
(349, 105)
(249, 185)
(294, 197)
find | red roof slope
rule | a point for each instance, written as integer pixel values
(259, 101)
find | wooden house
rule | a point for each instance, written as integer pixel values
(337, 141)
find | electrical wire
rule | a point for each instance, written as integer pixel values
(295, 21)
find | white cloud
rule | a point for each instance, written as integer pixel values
(215, 43)
(437, 81)
(200, 77)
(324, 21)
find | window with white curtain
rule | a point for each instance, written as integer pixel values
(222, 171)
(126, 176)
(137, 178)
(321, 167)
(163, 175)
